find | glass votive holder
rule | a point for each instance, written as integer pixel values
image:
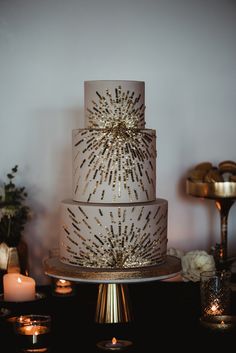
(215, 292)
(33, 332)
(62, 287)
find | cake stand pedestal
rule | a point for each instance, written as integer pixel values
(224, 195)
(113, 304)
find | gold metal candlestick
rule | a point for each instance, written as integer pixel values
(224, 195)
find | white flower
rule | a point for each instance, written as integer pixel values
(194, 262)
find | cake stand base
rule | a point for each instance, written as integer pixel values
(113, 304)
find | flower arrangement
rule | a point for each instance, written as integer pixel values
(13, 211)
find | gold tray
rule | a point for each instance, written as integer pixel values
(55, 268)
(218, 190)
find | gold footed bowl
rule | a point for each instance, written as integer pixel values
(217, 190)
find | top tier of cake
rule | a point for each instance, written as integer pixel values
(108, 103)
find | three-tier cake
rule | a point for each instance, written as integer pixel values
(114, 219)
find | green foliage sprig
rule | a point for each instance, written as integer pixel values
(14, 213)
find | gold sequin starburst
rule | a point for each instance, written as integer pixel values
(119, 111)
(117, 243)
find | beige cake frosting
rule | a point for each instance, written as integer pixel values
(107, 235)
(114, 219)
(124, 172)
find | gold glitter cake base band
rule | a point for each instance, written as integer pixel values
(55, 268)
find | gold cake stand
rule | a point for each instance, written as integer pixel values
(224, 195)
(113, 303)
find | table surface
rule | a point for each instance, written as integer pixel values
(165, 314)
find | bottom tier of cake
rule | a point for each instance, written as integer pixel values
(113, 236)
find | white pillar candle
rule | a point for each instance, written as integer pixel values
(18, 288)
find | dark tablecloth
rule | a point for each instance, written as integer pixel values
(165, 317)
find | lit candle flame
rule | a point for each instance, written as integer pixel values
(62, 281)
(214, 308)
(19, 280)
(30, 329)
(114, 340)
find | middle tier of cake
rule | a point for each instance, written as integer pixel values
(116, 165)
(113, 236)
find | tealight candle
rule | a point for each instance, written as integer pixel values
(114, 344)
(219, 322)
(32, 330)
(18, 288)
(63, 286)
